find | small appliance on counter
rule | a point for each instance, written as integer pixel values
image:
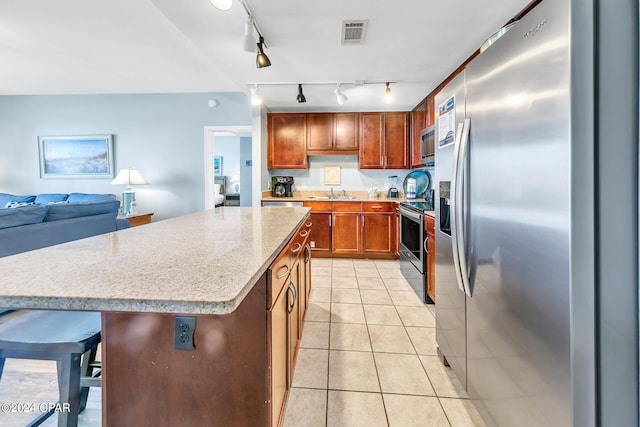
(281, 186)
(393, 192)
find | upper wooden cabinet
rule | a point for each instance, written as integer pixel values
(329, 132)
(384, 140)
(287, 141)
(418, 123)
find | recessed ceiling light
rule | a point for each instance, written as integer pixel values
(222, 4)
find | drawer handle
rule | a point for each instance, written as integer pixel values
(304, 233)
(299, 245)
(283, 275)
(426, 244)
(376, 207)
(309, 224)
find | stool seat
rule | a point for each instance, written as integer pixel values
(70, 338)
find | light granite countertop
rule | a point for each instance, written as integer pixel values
(202, 263)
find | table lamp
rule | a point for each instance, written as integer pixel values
(128, 177)
(235, 180)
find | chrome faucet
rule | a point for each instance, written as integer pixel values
(332, 195)
(344, 193)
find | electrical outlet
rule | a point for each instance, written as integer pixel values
(183, 330)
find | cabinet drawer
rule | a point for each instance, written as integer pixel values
(378, 206)
(429, 224)
(347, 206)
(318, 206)
(277, 276)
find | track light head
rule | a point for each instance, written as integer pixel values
(248, 41)
(300, 98)
(261, 60)
(255, 98)
(387, 95)
(341, 97)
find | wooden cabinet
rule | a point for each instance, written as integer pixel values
(378, 234)
(320, 235)
(384, 140)
(294, 316)
(278, 346)
(396, 227)
(345, 131)
(430, 246)
(332, 133)
(418, 123)
(287, 141)
(346, 230)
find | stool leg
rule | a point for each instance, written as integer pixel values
(69, 389)
(86, 371)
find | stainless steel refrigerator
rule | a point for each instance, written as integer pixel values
(502, 171)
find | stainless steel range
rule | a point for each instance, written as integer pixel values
(413, 257)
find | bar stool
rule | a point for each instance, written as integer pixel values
(70, 338)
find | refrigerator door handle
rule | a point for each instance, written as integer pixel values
(460, 206)
(454, 199)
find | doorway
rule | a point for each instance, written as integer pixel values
(227, 153)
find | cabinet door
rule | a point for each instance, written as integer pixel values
(320, 237)
(279, 342)
(287, 141)
(371, 140)
(307, 274)
(345, 131)
(319, 132)
(397, 230)
(431, 257)
(378, 233)
(293, 309)
(346, 233)
(418, 123)
(396, 126)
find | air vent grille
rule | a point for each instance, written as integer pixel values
(353, 31)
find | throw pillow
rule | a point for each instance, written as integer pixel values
(12, 204)
(45, 199)
(5, 198)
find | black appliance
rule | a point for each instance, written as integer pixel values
(281, 186)
(428, 145)
(413, 256)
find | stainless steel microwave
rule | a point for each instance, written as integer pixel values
(428, 145)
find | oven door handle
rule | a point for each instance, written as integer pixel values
(410, 214)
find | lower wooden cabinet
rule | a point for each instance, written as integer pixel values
(378, 233)
(346, 233)
(278, 344)
(430, 246)
(320, 239)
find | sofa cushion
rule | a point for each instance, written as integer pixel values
(21, 216)
(45, 199)
(88, 198)
(57, 212)
(6, 198)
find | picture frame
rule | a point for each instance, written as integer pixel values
(217, 165)
(76, 156)
(332, 175)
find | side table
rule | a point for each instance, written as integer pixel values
(137, 219)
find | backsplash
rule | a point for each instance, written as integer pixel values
(351, 178)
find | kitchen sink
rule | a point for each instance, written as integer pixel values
(334, 197)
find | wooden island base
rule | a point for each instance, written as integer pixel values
(224, 381)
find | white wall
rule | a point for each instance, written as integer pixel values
(246, 187)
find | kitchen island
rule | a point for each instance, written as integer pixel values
(211, 267)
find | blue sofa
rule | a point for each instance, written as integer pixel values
(35, 222)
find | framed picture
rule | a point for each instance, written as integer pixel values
(73, 157)
(332, 175)
(217, 165)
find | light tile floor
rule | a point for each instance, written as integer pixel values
(368, 355)
(367, 358)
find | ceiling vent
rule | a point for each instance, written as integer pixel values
(353, 31)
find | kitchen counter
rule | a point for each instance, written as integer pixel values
(430, 213)
(203, 263)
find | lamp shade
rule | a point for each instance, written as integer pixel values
(129, 177)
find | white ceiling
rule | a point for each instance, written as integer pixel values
(148, 46)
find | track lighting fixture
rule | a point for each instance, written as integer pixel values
(261, 60)
(341, 97)
(255, 98)
(222, 4)
(248, 39)
(387, 95)
(300, 98)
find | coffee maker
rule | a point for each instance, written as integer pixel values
(281, 186)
